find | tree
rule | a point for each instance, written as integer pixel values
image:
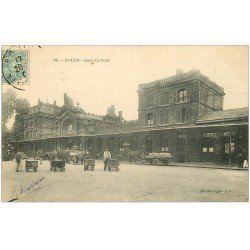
(21, 108)
(8, 106)
(12, 105)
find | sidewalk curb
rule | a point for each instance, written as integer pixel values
(212, 167)
(194, 166)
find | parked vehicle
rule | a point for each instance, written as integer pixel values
(113, 165)
(89, 165)
(57, 165)
(31, 164)
(157, 159)
(76, 156)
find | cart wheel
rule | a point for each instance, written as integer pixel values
(27, 170)
(74, 160)
(117, 169)
(92, 168)
(144, 162)
(63, 169)
(35, 169)
(167, 162)
(156, 162)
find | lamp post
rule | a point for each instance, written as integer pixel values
(229, 151)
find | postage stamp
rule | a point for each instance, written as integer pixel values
(15, 67)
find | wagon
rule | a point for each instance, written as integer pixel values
(89, 164)
(31, 164)
(113, 165)
(76, 157)
(157, 159)
(57, 165)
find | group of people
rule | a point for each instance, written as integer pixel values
(243, 159)
(106, 157)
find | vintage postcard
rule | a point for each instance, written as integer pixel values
(124, 123)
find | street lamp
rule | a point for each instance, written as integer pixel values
(229, 150)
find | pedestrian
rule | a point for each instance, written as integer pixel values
(245, 164)
(106, 156)
(240, 160)
(18, 161)
(245, 158)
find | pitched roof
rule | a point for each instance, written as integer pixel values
(224, 115)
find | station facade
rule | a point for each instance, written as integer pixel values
(182, 114)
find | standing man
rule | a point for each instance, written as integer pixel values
(18, 161)
(240, 160)
(106, 157)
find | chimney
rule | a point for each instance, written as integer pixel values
(55, 102)
(65, 98)
(179, 71)
(120, 115)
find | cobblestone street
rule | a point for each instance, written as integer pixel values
(132, 183)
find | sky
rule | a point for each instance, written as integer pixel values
(116, 71)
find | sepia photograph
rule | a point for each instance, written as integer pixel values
(124, 123)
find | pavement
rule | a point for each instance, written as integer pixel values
(207, 165)
(134, 183)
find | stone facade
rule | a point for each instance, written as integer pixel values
(178, 99)
(181, 114)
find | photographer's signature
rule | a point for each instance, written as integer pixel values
(24, 191)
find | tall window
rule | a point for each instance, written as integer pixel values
(183, 97)
(164, 144)
(149, 119)
(165, 98)
(164, 117)
(208, 142)
(149, 101)
(182, 115)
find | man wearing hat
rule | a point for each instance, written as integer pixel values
(106, 156)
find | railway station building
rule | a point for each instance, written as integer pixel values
(182, 114)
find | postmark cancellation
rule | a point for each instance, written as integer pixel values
(15, 66)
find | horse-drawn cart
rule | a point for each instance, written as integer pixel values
(157, 159)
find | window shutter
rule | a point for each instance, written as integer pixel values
(161, 118)
(188, 94)
(174, 96)
(188, 115)
(166, 117)
(156, 100)
(155, 118)
(178, 115)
